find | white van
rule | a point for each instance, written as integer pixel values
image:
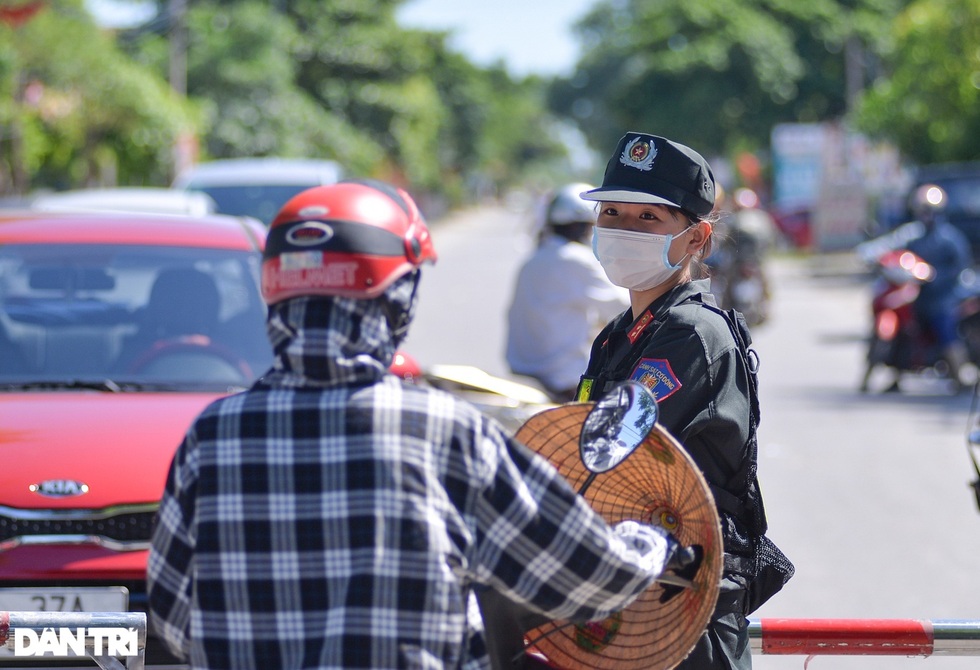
(257, 187)
(125, 199)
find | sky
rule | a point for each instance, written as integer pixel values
(115, 13)
(530, 36)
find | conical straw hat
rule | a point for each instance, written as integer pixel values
(657, 484)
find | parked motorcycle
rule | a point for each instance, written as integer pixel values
(898, 341)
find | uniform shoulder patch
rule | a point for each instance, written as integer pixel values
(657, 375)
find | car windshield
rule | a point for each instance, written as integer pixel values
(120, 317)
(258, 201)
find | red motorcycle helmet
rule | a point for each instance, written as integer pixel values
(349, 239)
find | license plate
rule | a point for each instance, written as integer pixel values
(53, 599)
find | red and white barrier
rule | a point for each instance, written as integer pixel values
(772, 636)
(869, 637)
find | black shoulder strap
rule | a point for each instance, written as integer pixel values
(745, 478)
(743, 340)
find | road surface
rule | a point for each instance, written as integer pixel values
(867, 494)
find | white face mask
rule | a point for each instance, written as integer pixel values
(634, 260)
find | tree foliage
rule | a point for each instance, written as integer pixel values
(342, 80)
(76, 111)
(332, 79)
(928, 100)
(242, 65)
(717, 74)
(433, 119)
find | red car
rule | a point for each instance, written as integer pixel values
(115, 331)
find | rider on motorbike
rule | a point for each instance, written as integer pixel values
(561, 299)
(943, 246)
(746, 234)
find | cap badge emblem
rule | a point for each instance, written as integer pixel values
(639, 154)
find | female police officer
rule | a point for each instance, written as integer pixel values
(653, 230)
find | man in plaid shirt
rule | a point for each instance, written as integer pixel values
(335, 516)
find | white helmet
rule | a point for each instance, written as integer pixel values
(567, 207)
(928, 203)
(928, 198)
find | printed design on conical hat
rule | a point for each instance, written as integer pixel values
(658, 484)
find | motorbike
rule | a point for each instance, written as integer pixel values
(746, 290)
(509, 402)
(898, 340)
(739, 281)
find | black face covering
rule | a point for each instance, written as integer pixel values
(398, 305)
(332, 340)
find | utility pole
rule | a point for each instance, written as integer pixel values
(853, 71)
(185, 149)
(178, 46)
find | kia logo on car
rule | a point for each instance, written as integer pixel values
(59, 488)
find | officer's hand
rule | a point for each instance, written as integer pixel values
(684, 563)
(681, 558)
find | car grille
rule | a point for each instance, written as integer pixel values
(123, 528)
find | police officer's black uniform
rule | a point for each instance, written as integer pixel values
(686, 353)
(695, 359)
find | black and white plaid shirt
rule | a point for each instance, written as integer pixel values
(336, 517)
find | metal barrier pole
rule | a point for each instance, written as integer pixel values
(100, 636)
(868, 637)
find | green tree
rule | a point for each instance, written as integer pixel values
(717, 74)
(77, 111)
(242, 66)
(340, 79)
(928, 103)
(440, 122)
(519, 139)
